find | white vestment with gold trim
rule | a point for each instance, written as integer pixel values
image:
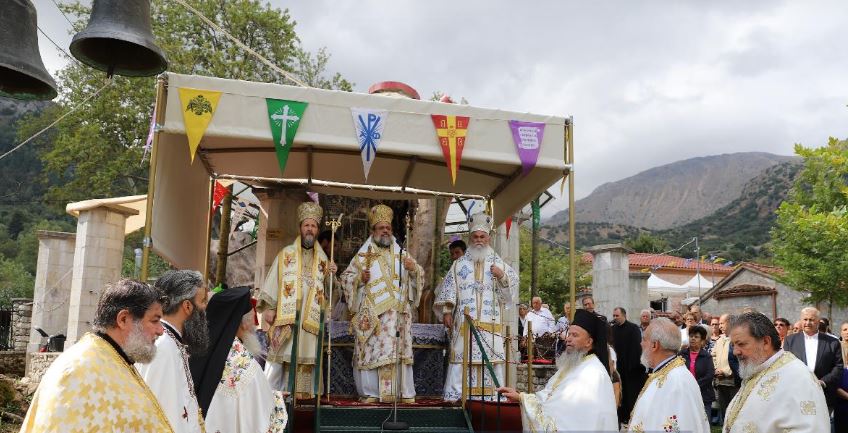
(579, 400)
(783, 396)
(472, 285)
(375, 306)
(670, 402)
(169, 378)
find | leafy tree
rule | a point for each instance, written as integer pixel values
(647, 243)
(97, 151)
(553, 277)
(15, 282)
(810, 238)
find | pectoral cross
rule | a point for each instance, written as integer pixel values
(369, 256)
(284, 118)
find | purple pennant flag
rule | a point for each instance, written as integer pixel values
(528, 140)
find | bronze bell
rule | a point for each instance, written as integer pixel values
(22, 73)
(119, 39)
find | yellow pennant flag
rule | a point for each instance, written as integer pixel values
(198, 107)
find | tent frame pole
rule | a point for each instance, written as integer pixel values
(159, 110)
(572, 249)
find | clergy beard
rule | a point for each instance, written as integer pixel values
(196, 333)
(570, 358)
(751, 365)
(384, 241)
(137, 347)
(252, 344)
(479, 253)
(307, 241)
(644, 360)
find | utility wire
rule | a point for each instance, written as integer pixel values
(242, 45)
(58, 47)
(59, 119)
(63, 14)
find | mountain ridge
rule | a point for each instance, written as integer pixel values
(672, 194)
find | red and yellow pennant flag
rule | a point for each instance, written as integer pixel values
(451, 131)
(198, 107)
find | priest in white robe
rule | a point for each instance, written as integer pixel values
(296, 281)
(382, 288)
(484, 284)
(670, 400)
(579, 397)
(186, 334)
(234, 393)
(778, 393)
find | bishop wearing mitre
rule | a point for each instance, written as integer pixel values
(383, 285)
(295, 282)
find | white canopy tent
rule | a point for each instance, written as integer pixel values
(325, 156)
(698, 281)
(660, 287)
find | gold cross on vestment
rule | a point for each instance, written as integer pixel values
(369, 256)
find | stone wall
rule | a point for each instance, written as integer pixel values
(21, 322)
(12, 363)
(541, 375)
(37, 364)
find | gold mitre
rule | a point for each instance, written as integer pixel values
(380, 214)
(480, 222)
(309, 209)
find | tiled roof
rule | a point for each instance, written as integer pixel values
(663, 261)
(743, 290)
(771, 270)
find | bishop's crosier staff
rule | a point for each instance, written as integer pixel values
(334, 224)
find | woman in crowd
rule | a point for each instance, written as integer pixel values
(700, 364)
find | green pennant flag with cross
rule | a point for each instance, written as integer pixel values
(284, 118)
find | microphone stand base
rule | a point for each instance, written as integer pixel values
(395, 425)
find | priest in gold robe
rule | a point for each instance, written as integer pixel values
(382, 287)
(670, 400)
(296, 282)
(93, 387)
(778, 393)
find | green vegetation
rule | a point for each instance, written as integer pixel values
(553, 277)
(97, 151)
(811, 234)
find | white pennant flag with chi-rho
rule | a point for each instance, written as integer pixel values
(369, 125)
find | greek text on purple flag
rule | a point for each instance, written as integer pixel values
(369, 125)
(528, 141)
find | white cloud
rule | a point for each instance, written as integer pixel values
(648, 82)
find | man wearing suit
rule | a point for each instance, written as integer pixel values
(821, 352)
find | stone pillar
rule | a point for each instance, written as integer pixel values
(277, 229)
(21, 322)
(611, 279)
(639, 288)
(98, 258)
(53, 275)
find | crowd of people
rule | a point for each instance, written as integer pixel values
(786, 377)
(174, 358)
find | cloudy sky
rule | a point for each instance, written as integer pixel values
(648, 82)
